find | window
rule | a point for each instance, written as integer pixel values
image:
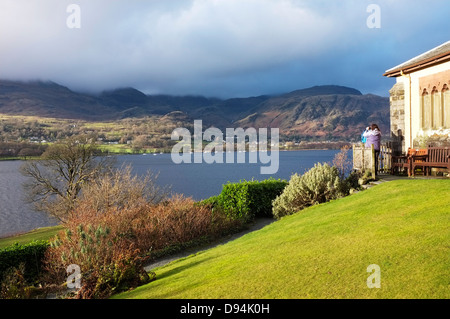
(445, 106)
(436, 112)
(426, 113)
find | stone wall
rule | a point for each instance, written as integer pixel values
(397, 101)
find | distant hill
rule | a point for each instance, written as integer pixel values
(318, 112)
(324, 90)
(320, 116)
(48, 99)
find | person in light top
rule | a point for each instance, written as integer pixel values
(373, 137)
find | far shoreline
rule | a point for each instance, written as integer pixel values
(30, 158)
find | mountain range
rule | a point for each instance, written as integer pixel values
(320, 112)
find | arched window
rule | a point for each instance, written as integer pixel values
(445, 102)
(425, 110)
(436, 112)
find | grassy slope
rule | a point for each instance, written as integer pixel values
(44, 233)
(324, 251)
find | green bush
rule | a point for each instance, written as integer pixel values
(30, 256)
(318, 185)
(15, 286)
(211, 201)
(365, 177)
(352, 181)
(248, 199)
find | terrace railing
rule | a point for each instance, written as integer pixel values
(364, 158)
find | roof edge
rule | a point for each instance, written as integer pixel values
(396, 71)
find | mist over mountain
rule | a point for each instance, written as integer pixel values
(319, 112)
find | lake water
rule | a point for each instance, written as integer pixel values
(199, 181)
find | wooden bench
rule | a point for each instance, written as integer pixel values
(403, 161)
(436, 157)
(416, 160)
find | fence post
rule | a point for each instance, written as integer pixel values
(363, 160)
(373, 163)
(353, 156)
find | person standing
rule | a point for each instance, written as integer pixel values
(373, 137)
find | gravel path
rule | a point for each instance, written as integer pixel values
(257, 224)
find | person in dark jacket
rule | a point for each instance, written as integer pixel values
(373, 137)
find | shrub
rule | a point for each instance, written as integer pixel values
(104, 248)
(352, 180)
(318, 185)
(248, 199)
(365, 177)
(15, 286)
(29, 256)
(182, 220)
(212, 201)
(119, 222)
(234, 201)
(111, 246)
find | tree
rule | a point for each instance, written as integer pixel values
(120, 189)
(55, 181)
(342, 162)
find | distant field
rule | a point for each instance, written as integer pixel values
(148, 134)
(324, 251)
(116, 148)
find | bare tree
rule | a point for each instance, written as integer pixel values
(343, 162)
(121, 189)
(55, 181)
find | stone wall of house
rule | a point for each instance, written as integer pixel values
(397, 102)
(436, 138)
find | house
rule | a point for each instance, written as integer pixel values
(420, 99)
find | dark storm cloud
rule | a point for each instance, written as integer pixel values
(215, 47)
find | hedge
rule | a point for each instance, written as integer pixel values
(30, 255)
(248, 199)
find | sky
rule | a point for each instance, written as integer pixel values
(216, 48)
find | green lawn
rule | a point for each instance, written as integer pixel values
(324, 252)
(44, 233)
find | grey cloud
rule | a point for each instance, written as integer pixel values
(214, 47)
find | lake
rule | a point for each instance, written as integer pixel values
(198, 181)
